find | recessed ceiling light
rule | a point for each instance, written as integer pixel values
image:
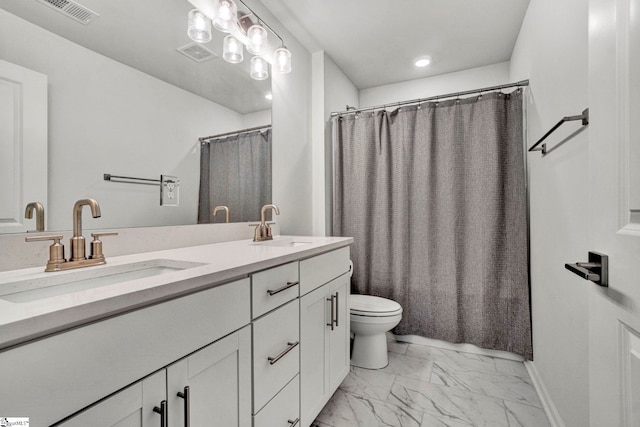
(422, 62)
(269, 96)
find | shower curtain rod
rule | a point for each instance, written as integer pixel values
(353, 110)
(206, 139)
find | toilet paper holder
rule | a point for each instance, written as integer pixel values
(595, 270)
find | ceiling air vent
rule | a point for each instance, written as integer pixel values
(72, 10)
(197, 52)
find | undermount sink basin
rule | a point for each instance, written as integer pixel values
(55, 284)
(288, 243)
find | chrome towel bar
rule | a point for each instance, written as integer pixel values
(543, 148)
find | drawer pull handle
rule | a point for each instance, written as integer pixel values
(291, 346)
(284, 288)
(187, 405)
(333, 306)
(294, 423)
(162, 410)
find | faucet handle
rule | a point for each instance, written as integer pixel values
(96, 244)
(56, 250)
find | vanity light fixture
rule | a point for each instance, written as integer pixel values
(256, 39)
(199, 27)
(259, 68)
(224, 15)
(282, 60)
(232, 50)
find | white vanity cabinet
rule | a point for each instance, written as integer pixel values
(324, 330)
(57, 376)
(211, 384)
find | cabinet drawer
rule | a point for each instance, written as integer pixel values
(274, 287)
(283, 410)
(276, 352)
(317, 271)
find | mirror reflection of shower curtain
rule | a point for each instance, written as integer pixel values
(235, 171)
(435, 199)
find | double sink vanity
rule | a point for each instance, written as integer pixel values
(239, 333)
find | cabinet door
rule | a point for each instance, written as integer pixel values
(339, 337)
(131, 407)
(218, 378)
(314, 342)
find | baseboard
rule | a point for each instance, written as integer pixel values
(547, 403)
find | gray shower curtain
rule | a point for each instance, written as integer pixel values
(435, 198)
(235, 172)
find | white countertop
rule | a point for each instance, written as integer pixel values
(222, 262)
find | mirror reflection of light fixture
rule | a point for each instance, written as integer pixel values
(224, 15)
(259, 68)
(199, 27)
(232, 50)
(282, 60)
(244, 28)
(256, 39)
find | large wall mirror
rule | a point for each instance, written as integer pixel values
(129, 94)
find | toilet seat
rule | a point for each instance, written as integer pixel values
(372, 306)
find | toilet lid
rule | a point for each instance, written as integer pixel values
(368, 304)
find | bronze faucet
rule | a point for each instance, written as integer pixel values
(57, 261)
(263, 230)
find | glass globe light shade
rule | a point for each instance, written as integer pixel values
(199, 27)
(232, 50)
(259, 68)
(257, 39)
(225, 15)
(282, 60)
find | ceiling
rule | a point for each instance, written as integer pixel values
(145, 34)
(375, 42)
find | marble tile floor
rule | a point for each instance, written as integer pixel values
(430, 387)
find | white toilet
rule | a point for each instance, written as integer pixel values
(371, 318)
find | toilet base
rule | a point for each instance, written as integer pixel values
(370, 351)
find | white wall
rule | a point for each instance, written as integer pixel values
(551, 52)
(471, 79)
(105, 117)
(331, 91)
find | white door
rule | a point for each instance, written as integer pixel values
(23, 145)
(614, 186)
(218, 378)
(131, 407)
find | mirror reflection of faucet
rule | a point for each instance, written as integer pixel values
(39, 210)
(221, 209)
(263, 230)
(57, 261)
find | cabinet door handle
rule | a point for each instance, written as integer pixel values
(337, 310)
(284, 288)
(291, 346)
(162, 410)
(187, 405)
(294, 423)
(332, 299)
